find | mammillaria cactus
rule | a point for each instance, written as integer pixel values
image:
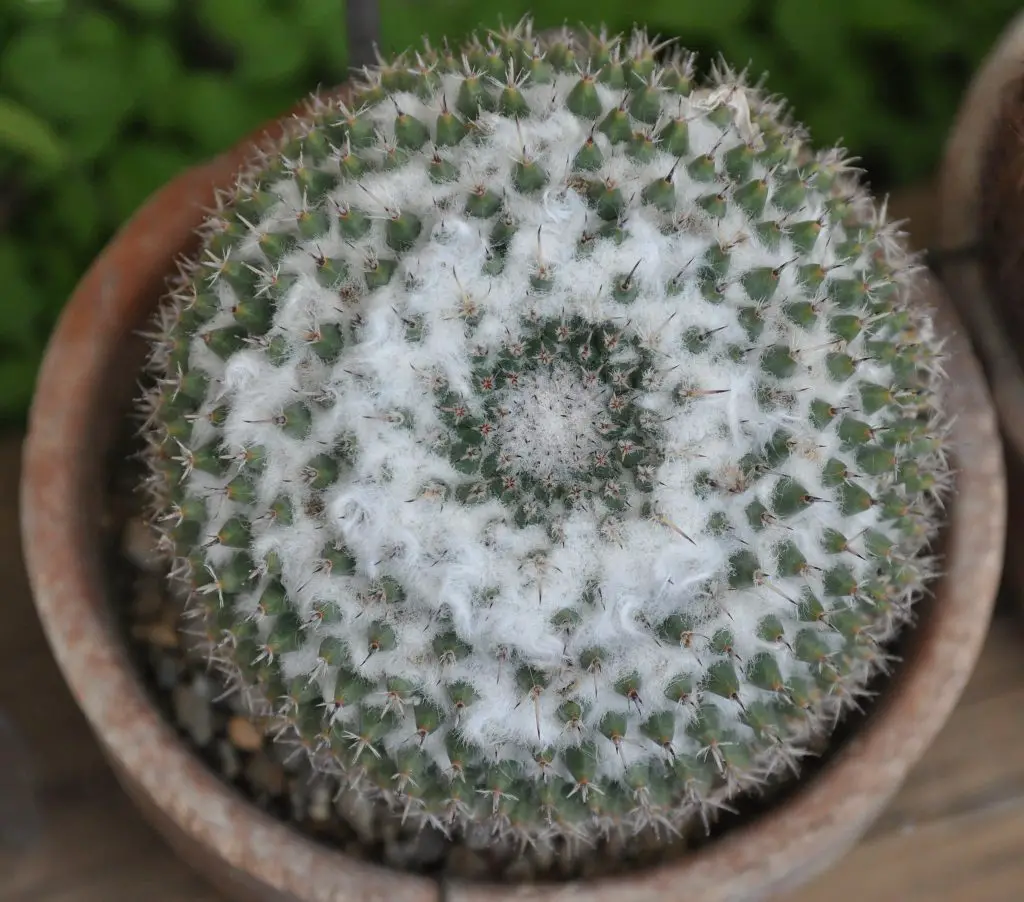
(546, 441)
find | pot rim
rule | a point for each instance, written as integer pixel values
(785, 847)
(959, 210)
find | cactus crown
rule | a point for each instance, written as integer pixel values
(548, 440)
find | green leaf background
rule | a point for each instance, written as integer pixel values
(102, 101)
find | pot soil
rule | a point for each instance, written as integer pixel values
(981, 245)
(209, 780)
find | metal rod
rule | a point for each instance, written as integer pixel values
(362, 23)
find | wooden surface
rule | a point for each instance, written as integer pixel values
(954, 834)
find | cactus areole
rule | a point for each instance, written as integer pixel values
(548, 442)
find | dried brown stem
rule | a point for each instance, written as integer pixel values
(362, 24)
(1002, 211)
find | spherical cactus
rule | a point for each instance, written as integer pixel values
(550, 443)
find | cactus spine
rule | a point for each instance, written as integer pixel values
(547, 441)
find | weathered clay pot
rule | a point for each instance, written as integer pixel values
(965, 261)
(87, 382)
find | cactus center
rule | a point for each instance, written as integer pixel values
(554, 423)
(550, 423)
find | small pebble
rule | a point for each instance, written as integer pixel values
(320, 802)
(357, 849)
(227, 754)
(166, 668)
(425, 847)
(389, 827)
(286, 751)
(565, 866)
(298, 796)
(468, 864)
(236, 702)
(360, 812)
(244, 735)
(193, 712)
(478, 837)
(204, 687)
(149, 599)
(266, 775)
(544, 856)
(139, 545)
(162, 635)
(521, 870)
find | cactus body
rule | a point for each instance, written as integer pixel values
(548, 441)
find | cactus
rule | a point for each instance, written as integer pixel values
(547, 442)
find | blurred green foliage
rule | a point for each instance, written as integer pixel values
(102, 101)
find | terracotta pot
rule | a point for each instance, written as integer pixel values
(962, 265)
(84, 388)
